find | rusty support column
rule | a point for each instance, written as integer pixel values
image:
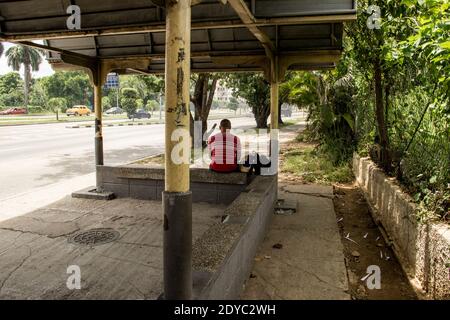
(274, 100)
(177, 198)
(98, 126)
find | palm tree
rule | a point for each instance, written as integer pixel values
(28, 57)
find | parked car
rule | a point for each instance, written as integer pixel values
(140, 114)
(13, 111)
(78, 111)
(114, 110)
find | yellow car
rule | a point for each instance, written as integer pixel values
(78, 111)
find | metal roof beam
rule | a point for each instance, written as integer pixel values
(160, 27)
(249, 20)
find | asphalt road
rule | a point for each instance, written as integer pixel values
(42, 163)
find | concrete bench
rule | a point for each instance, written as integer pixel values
(147, 183)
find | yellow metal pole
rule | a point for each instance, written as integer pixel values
(274, 97)
(274, 112)
(98, 127)
(178, 51)
(177, 199)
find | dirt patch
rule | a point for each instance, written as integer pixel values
(356, 225)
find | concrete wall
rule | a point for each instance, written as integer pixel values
(228, 250)
(423, 249)
(147, 183)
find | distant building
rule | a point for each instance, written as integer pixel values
(224, 94)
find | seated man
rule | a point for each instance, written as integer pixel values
(225, 149)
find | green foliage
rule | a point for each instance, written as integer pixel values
(315, 166)
(147, 87)
(27, 57)
(139, 103)
(57, 104)
(73, 85)
(255, 90)
(152, 105)
(39, 97)
(106, 103)
(19, 55)
(128, 100)
(233, 104)
(37, 109)
(412, 50)
(328, 100)
(215, 104)
(11, 86)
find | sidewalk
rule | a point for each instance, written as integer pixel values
(36, 249)
(302, 255)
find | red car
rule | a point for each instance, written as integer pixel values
(13, 111)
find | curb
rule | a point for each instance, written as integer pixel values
(113, 125)
(132, 124)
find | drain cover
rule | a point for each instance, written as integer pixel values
(94, 237)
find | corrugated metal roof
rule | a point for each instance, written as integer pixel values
(293, 26)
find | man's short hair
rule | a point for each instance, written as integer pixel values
(225, 123)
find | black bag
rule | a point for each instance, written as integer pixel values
(255, 165)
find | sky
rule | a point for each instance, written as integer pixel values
(44, 68)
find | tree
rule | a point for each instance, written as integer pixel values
(233, 104)
(106, 103)
(10, 89)
(148, 87)
(155, 85)
(152, 105)
(39, 97)
(137, 83)
(204, 88)
(57, 104)
(128, 100)
(74, 86)
(255, 90)
(30, 59)
(139, 103)
(215, 105)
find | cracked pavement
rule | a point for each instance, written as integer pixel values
(310, 265)
(35, 252)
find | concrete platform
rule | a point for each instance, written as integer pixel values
(310, 264)
(35, 252)
(92, 193)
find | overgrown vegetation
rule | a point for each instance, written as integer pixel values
(389, 97)
(311, 165)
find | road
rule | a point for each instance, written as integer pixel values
(42, 163)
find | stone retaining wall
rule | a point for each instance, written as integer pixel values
(422, 249)
(224, 254)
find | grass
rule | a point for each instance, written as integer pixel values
(312, 166)
(287, 123)
(153, 160)
(14, 120)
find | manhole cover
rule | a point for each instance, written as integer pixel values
(94, 237)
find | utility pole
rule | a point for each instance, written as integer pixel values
(177, 197)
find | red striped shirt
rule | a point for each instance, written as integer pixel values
(225, 152)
